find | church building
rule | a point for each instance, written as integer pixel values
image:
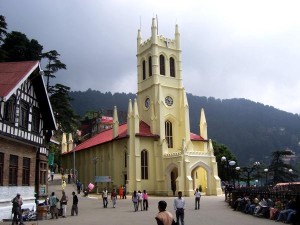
(155, 149)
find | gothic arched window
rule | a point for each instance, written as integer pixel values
(169, 133)
(144, 69)
(172, 67)
(144, 165)
(150, 66)
(125, 159)
(162, 65)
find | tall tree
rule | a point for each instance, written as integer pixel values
(224, 169)
(53, 65)
(3, 28)
(19, 48)
(280, 168)
(3, 32)
(65, 116)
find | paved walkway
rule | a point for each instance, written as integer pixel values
(213, 211)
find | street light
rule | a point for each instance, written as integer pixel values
(266, 171)
(238, 173)
(257, 165)
(291, 173)
(228, 163)
(95, 160)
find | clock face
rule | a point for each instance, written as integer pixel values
(169, 100)
(147, 103)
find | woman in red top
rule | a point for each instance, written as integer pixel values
(113, 197)
(121, 190)
(145, 200)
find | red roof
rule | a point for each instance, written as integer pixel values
(196, 137)
(145, 130)
(103, 137)
(107, 136)
(13, 74)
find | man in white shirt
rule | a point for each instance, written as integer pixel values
(197, 199)
(104, 197)
(179, 206)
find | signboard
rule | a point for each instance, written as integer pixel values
(106, 119)
(42, 190)
(51, 159)
(102, 179)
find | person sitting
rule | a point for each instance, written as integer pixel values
(274, 211)
(86, 192)
(261, 208)
(249, 209)
(290, 208)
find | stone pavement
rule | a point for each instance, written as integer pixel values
(213, 211)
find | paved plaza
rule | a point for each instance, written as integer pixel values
(213, 211)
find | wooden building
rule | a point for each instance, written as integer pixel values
(26, 122)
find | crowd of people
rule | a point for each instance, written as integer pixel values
(265, 206)
(58, 206)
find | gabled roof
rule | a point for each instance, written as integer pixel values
(14, 74)
(107, 136)
(101, 138)
(196, 137)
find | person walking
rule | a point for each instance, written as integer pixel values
(164, 217)
(63, 202)
(135, 201)
(16, 209)
(113, 197)
(53, 200)
(78, 185)
(52, 175)
(197, 199)
(179, 206)
(63, 184)
(121, 191)
(124, 192)
(104, 197)
(145, 200)
(74, 205)
(140, 200)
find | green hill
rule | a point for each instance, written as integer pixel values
(251, 130)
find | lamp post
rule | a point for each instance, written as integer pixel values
(95, 160)
(228, 163)
(238, 174)
(291, 173)
(266, 171)
(257, 165)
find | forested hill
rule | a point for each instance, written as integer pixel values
(251, 130)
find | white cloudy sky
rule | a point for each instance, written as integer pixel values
(230, 49)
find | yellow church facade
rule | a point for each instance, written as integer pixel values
(154, 150)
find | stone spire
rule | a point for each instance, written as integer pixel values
(129, 116)
(136, 117)
(203, 125)
(64, 143)
(115, 123)
(177, 37)
(139, 38)
(70, 142)
(154, 31)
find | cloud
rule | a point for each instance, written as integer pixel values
(230, 49)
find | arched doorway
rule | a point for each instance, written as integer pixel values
(173, 176)
(199, 176)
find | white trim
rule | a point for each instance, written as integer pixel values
(21, 82)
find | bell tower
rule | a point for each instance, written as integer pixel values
(161, 96)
